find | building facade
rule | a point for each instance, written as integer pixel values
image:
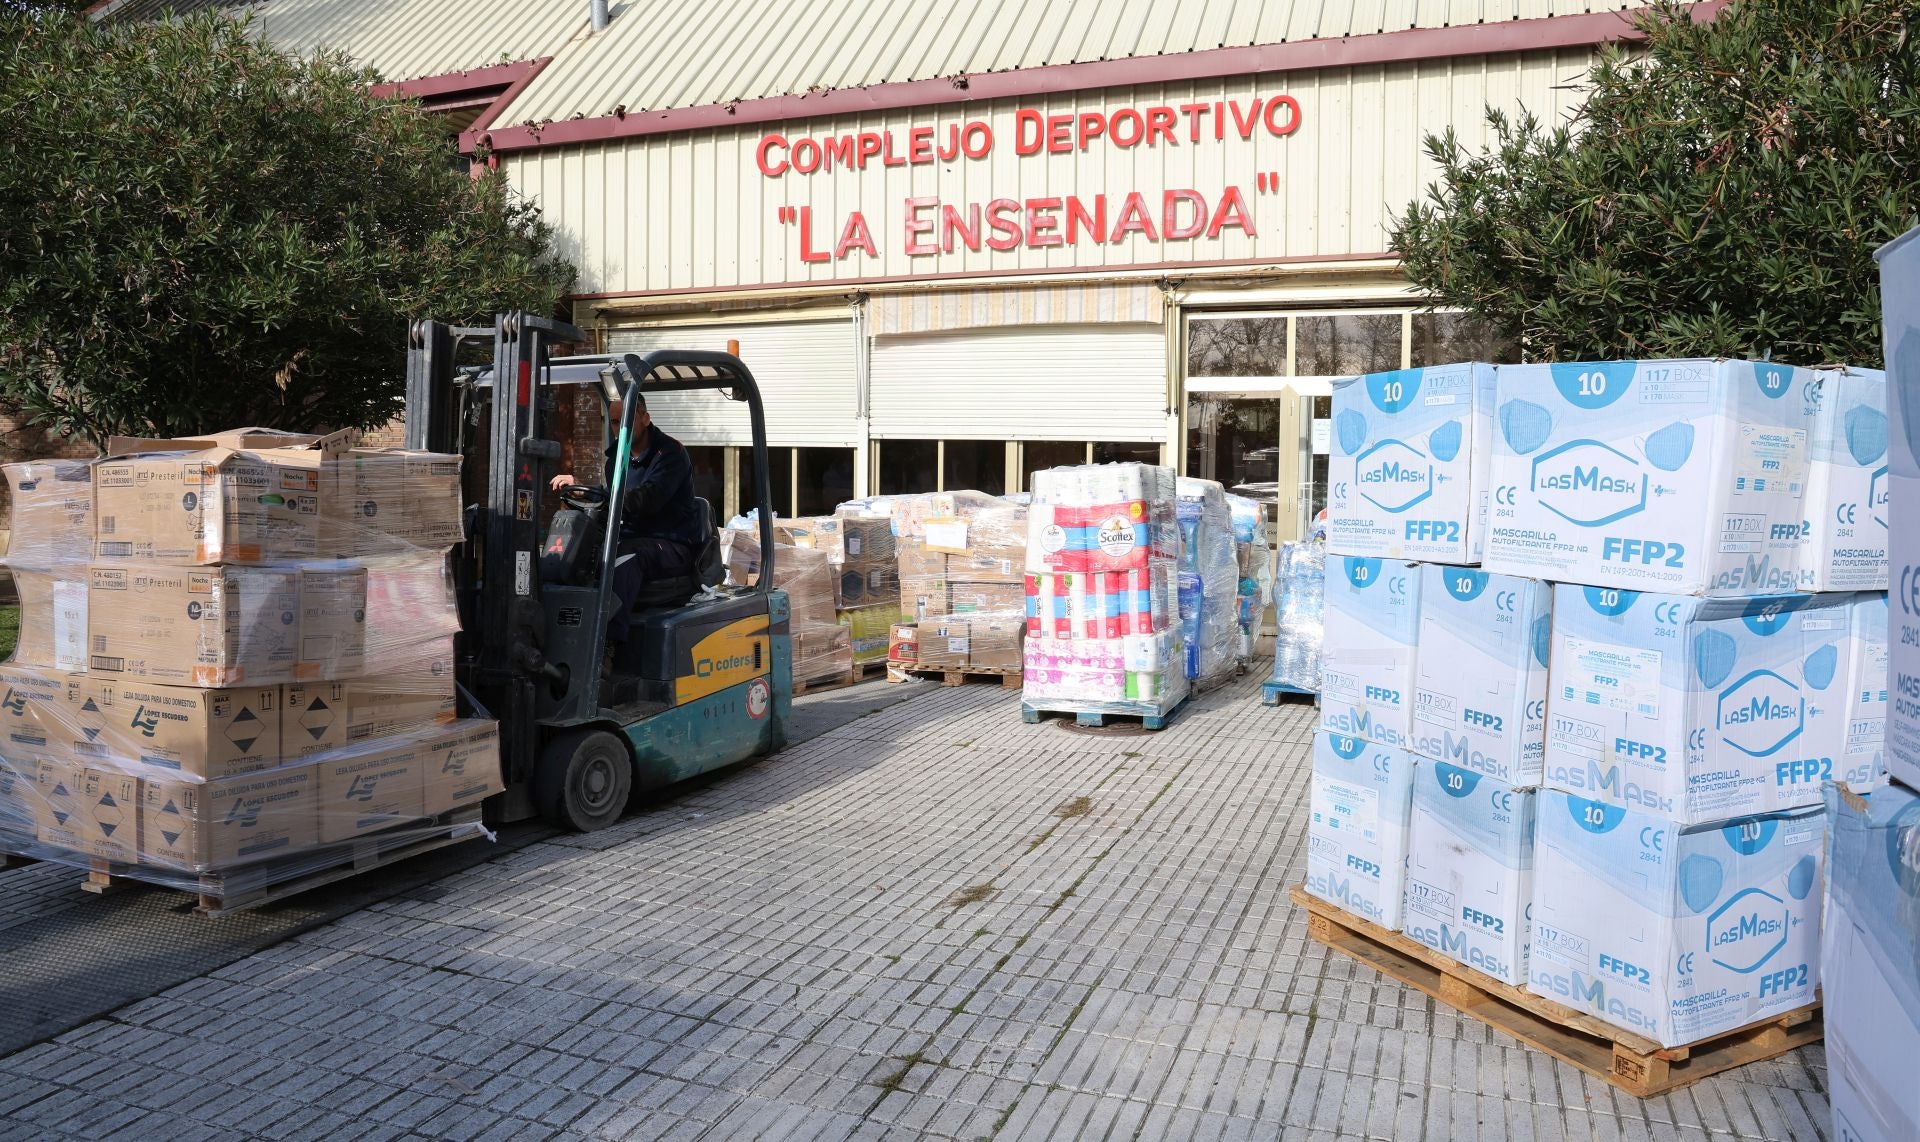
(958, 243)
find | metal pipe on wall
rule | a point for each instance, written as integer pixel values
(599, 15)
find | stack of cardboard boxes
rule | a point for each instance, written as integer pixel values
(866, 579)
(234, 650)
(962, 558)
(1602, 711)
(822, 652)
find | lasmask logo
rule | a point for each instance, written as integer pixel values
(1589, 483)
(1393, 475)
(1745, 932)
(1761, 713)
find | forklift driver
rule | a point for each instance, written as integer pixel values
(659, 525)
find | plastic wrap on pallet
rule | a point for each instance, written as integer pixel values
(869, 630)
(1209, 580)
(960, 559)
(1299, 587)
(1103, 549)
(849, 541)
(1256, 566)
(236, 664)
(821, 646)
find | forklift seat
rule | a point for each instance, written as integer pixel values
(707, 570)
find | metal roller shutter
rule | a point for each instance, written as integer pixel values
(805, 370)
(1034, 382)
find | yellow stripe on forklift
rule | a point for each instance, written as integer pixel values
(731, 655)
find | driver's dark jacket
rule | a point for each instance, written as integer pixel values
(658, 501)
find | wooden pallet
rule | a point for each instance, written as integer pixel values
(1150, 717)
(1005, 679)
(1277, 693)
(252, 885)
(858, 673)
(1634, 1063)
(14, 860)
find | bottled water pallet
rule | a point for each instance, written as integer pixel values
(1276, 693)
(1633, 1063)
(247, 886)
(1151, 715)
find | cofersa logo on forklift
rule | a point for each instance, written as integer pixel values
(727, 657)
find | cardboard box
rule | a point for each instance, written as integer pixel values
(365, 787)
(1372, 625)
(995, 642)
(1470, 869)
(89, 812)
(333, 620)
(313, 720)
(1673, 932)
(1408, 475)
(412, 615)
(1681, 476)
(460, 765)
(1903, 638)
(945, 643)
(918, 561)
(990, 564)
(197, 826)
(248, 496)
(215, 626)
(986, 597)
(1697, 709)
(1481, 699)
(37, 715)
(1359, 807)
(903, 644)
(1843, 535)
(186, 730)
(53, 617)
(1863, 758)
(1868, 948)
(869, 631)
(393, 500)
(52, 519)
(398, 704)
(924, 599)
(19, 803)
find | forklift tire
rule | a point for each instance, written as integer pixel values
(583, 780)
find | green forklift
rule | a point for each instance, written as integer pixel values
(704, 680)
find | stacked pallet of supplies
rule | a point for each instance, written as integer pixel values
(866, 575)
(821, 651)
(1209, 581)
(1299, 586)
(237, 660)
(962, 556)
(1579, 744)
(1255, 560)
(1103, 619)
(1870, 945)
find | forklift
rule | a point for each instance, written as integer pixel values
(704, 680)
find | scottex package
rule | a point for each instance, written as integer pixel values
(1481, 699)
(1679, 476)
(1372, 620)
(1101, 517)
(1408, 474)
(1697, 709)
(1671, 932)
(1843, 539)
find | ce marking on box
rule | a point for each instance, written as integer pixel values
(522, 504)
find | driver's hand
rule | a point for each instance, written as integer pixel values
(561, 481)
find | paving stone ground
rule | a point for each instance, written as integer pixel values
(931, 922)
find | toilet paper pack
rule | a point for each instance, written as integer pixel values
(1408, 475)
(1843, 539)
(1863, 759)
(1672, 932)
(1697, 709)
(1470, 869)
(1372, 621)
(1870, 961)
(1361, 798)
(1481, 699)
(1679, 476)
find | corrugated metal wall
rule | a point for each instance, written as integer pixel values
(693, 211)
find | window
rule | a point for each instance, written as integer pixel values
(1443, 338)
(1237, 347)
(826, 480)
(909, 467)
(1343, 344)
(1108, 452)
(1233, 440)
(977, 464)
(1039, 455)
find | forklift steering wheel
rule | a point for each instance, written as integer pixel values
(584, 495)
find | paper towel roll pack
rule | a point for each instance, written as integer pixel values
(1100, 604)
(1679, 476)
(1697, 709)
(1407, 478)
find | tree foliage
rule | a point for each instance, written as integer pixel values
(197, 231)
(1720, 192)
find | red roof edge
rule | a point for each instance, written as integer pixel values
(1538, 34)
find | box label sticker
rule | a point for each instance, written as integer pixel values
(1615, 677)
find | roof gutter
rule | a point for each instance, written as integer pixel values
(1412, 44)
